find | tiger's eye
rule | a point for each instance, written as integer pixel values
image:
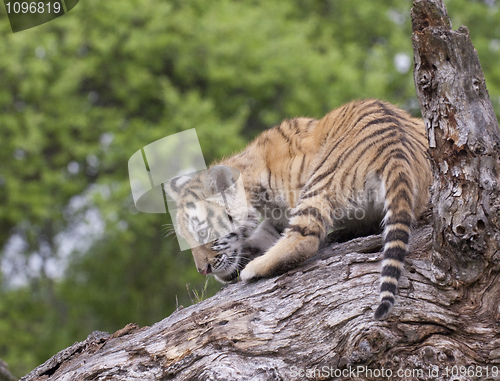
(203, 233)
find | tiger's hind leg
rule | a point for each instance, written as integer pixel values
(300, 241)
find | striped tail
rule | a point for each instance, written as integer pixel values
(396, 234)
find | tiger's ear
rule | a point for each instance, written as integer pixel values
(175, 185)
(220, 178)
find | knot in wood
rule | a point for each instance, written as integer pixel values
(478, 149)
(425, 80)
(476, 84)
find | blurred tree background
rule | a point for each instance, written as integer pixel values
(79, 95)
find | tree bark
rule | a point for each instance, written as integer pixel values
(464, 145)
(5, 375)
(315, 322)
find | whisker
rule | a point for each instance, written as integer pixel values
(168, 230)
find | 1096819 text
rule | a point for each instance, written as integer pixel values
(33, 7)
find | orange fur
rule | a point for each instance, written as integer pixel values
(366, 157)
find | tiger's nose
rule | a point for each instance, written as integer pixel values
(207, 270)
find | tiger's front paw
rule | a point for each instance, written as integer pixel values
(256, 269)
(226, 244)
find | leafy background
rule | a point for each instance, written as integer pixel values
(79, 95)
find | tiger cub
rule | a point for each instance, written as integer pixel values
(362, 166)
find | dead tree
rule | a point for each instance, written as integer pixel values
(315, 322)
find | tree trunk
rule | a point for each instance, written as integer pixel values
(464, 146)
(316, 322)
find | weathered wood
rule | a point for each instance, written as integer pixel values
(316, 317)
(464, 144)
(316, 322)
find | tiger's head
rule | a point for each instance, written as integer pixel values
(214, 218)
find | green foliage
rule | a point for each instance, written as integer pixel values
(79, 95)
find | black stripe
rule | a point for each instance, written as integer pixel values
(353, 178)
(265, 140)
(425, 148)
(339, 120)
(222, 224)
(396, 253)
(303, 163)
(392, 168)
(424, 145)
(290, 164)
(401, 179)
(304, 231)
(397, 235)
(401, 195)
(401, 156)
(340, 141)
(313, 193)
(391, 271)
(299, 175)
(373, 160)
(363, 116)
(415, 142)
(415, 131)
(389, 111)
(398, 153)
(388, 155)
(278, 128)
(386, 286)
(410, 148)
(343, 156)
(346, 173)
(349, 108)
(210, 214)
(323, 162)
(297, 130)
